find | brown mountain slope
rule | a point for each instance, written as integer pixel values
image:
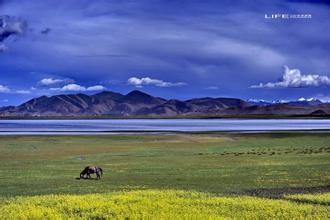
(137, 103)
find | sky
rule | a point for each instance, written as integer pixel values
(269, 50)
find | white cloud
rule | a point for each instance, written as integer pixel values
(139, 82)
(292, 78)
(95, 88)
(4, 89)
(23, 91)
(78, 88)
(73, 87)
(52, 81)
(212, 88)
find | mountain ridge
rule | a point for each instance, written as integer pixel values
(138, 103)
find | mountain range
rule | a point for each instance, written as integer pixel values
(140, 104)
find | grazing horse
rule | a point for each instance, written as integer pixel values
(90, 170)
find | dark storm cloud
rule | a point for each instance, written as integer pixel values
(45, 31)
(10, 25)
(324, 2)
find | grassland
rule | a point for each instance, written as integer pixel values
(220, 168)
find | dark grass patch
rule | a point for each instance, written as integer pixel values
(278, 193)
(308, 201)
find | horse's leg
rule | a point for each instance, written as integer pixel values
(98, 175)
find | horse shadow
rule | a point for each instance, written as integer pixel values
(78, 178)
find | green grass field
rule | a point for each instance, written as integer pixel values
(215, 166)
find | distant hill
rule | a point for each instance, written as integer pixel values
(137, 103)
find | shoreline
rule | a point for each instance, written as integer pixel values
(190, 117)
(150, 132)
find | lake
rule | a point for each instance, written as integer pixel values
(13, 127)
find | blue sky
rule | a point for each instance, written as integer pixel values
(174, 49)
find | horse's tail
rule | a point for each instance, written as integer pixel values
(101, 171)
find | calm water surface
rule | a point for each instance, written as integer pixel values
(157, 125)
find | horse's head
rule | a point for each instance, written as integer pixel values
(101, 171)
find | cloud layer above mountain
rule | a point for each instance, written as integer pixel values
(145, 81)
(78, 88)
(293, 78)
